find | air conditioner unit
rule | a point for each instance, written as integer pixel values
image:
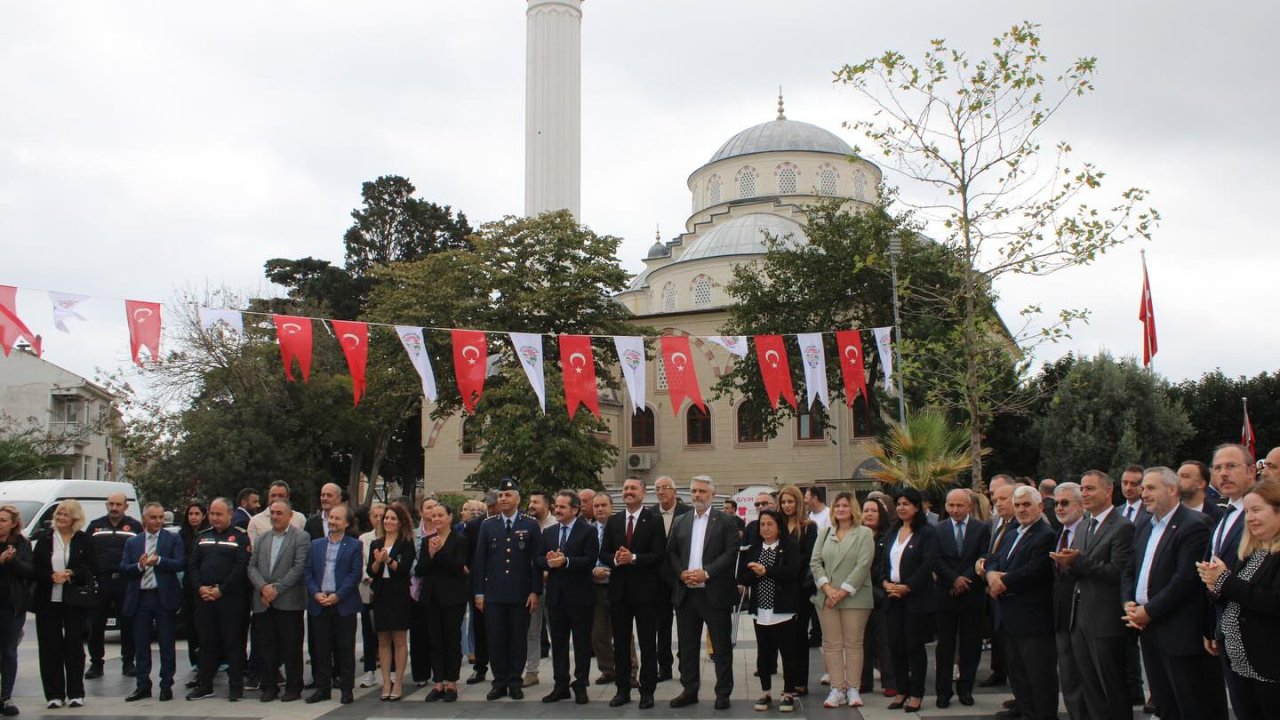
(640, 461)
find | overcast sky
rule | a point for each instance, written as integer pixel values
(151, 146)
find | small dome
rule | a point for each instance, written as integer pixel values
(744, 235)
(782, 135)
(659, 250)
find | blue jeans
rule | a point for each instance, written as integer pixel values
(10, 637)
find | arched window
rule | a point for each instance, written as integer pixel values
(660, 373)
(470, 441)
(786, 175)
(859, 185)
(861, 418)
(811, 423)
(747, 182)
(697, 426)
(644, 429)
(713, 190)
(750, 430)
(669, 297)
(828, 180)
(701, 291)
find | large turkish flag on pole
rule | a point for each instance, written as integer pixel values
(354, 338)
(144, 328)
(470, 355)
(578, 366)
(294, 336)
(682, 378)
(852, 367)
(775, 370)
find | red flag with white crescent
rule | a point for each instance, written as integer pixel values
(354, 338)
(775, 370)
(294, 335)
(1147, 314)
(852, 367)
(470, 352)
(578, 366)
(1247, 438)
(144, 328)
(682, 378)
(12, 329)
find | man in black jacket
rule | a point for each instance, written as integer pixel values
(962, 540)
(1069, 507)
(480, 648)
(109, 534)
(572, 549)
(669, 507)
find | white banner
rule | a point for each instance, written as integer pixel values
(631, 357)
(528, 347)
(64, 307)
(815, 368)
(884, 339)
(416, 346)
(736, 344)
(211, 316)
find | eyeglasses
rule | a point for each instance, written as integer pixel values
(1227, 467)
(762, 505)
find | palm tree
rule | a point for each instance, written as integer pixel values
(927, 452)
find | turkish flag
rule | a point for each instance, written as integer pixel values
(354, 338)
(1247, 438)
(578, 366)
(470, 352)
(144, 328)
(775, 370)
(294, 335)
(682, 378)
(851, 365)
(12, 328)
(1147, 314)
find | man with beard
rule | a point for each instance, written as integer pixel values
(634, 547)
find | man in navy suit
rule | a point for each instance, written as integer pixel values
(1164, 599)
(572, 549)
(1193, 490)
(150, 565)
(962, 540)
(334, 570)
(1233, 469)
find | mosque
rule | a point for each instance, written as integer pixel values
(758, 182)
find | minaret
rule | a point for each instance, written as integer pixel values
(553, 107)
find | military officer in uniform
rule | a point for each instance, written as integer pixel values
(219, 569)
(506, 587)
(109, 534)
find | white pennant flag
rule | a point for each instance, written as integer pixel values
(736, 344)
(416, 346)
(631, 357)
(815, 368)
(529, 350)
(64, 307)
(211, 316)
(883, 341)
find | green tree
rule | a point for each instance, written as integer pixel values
(968, 132)
(1107, 413)
(27, 450)
(1213, 404)
(928, 452)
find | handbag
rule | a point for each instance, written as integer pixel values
(81, 595)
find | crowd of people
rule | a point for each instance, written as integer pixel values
(1077, 598)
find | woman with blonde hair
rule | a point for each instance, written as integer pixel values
(803, 533)
(16, 572)
(841, 567)
(63, 561)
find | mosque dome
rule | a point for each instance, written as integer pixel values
(658, 250)
(744, 235)
(782, 135)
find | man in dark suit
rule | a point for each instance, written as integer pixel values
(150, 565)
(480, 648)
(1096, 559)
(962, 540)
(669, 507)
(318, 524)
(1164, 599)
(248, 501)
(1132, 509)
(276, 571)
(1003, 524)
(634, 548)
(572, 551)
(333, 573)
(703, 553)
(1233, 469)
(1020, 579)
(1069, 507)
(1193, 490)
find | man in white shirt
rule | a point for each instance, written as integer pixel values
(815, 498)
(261, 523)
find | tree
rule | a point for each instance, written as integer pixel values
(1213, 404)
(27, 450)
(927, 452)
(1106, 414)
(969, 131)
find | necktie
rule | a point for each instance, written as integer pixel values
(1128, 513)
(1063, 540)
(1222, 530)
(1093, 528)
(564, 536)
(999, 534)
(149, 575)
(631, 528)
(508, 525)
(960, 536)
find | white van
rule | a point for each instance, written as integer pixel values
(37, 499)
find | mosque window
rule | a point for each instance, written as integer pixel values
(702, 291)
(697, 426)
(750, 430)
(643, 428)
(660, 373)
(811, 424)
(713, 190)
(669, 297)
(859, 185)
(828, 180)
(747, 182)
(786, 174)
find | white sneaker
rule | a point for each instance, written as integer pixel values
(855, 698)
(826, 679)
(835, 699)
(75, 702)
(369, 679)
(54, 704)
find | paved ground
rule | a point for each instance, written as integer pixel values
(106, 698)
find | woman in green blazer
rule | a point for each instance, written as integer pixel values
(841, 566)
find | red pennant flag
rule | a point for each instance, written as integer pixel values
(354, 338)
(294, 335)
(775, 370)
(578, 365)
(682, 378)
(851, 365)
(470, 356)
(144, 328)
(1247, 438)
(12, 328)
(1147, 314)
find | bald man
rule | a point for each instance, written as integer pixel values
(109, 534)
(318, 525)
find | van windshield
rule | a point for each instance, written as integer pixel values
(28, 509)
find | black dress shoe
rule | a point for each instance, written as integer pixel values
(664, 675)
(192, 683)
(235, 694)
(1008, 715)
(993, 680)
(646, 702)
(556, 696)
(347, 698)
(944, 702)
(290, 696)
(516, 693)
(966, 699)
(200, 693)
(311, 684)
(130, 670)
(495, 693)
(270, 694)
(684, 699)
(434, 695)
(1010, 704)
(94, 672)
(722, 703)
(319, 696)
(620, 699)
(605, 679)
(166, 694)
(138, 694)
(580, 696)
(476, 677)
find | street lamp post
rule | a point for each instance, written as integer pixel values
(895, 252)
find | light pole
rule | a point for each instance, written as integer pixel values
(895, 252)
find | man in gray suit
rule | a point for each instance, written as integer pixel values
(1096, 559)
(702, 553)
(279, 599)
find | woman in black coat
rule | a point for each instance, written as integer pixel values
(442, 565)
(390, 566)
(804, 533)
(195, 521)
(63, 562)
(16, 572)
(907, 579)
(772, 570)
(875, 641)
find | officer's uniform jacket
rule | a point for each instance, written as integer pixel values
(108, 548)
(221, 559)
(502, 570)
